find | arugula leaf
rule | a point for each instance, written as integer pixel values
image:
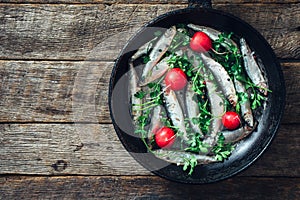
(181, 62)
(196, 145)
(190, 163)
(242, 98)
(142, 122)
(146, 59)
(141, 94)
(222, 150)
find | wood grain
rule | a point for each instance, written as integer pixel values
(56, 140)
(62, 91)
(73, 32)
(130, 188)
(94, 149)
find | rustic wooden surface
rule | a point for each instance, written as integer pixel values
(56, 137)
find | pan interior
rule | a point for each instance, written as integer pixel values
(247, 150)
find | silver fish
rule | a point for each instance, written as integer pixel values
(143, 49)
(192, 108)
(133, 89)
(175, 111)
(217, 102)
(216, 99)
(238, 134)
(217, 105)
(245, 106)
(159, 50)
(180, 94)
(155, 123)
(214, 35)
(252, 68)
(179, 157)
(222, 77)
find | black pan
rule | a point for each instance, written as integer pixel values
(199, 12)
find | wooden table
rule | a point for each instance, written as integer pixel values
(56, 137)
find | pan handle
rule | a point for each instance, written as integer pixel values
(200, 3)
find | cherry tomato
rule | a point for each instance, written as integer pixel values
(176, 79)
(200, 42)
(231, 120)
(165, 137)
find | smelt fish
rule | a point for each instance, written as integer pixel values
(159, 50)
(175, 111)
(155, 123)
(133, 89)
(245, 106)
(192, 108)
(252, 68)
(222, 77)
(238, 134)
(179, 157)
(143, 49)
(217, 105)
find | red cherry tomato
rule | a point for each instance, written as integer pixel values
(231, 120)
(165, 137)
(176, 79)
(200, 42)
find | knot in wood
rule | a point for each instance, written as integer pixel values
(60, 165)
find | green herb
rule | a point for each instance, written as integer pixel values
(142, 122)
(242, 98)
(205, 117)
(196, 145)
(156, 92)
(222, 150)
(181, 62)
(141, 94)
(190, 163)
(230, 59)
(146, 59)
(256, 100)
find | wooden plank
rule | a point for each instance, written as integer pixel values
(94, 149)
(74, 32)
(64, 149)
(53, 91)
(292, 77)
(60, 91)
(123, 187)
(143, 1)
